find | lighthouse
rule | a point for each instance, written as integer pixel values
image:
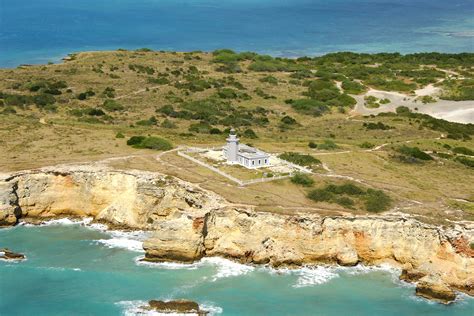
(232, 147)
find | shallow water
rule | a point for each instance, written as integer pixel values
(77, 270)
(34, 31)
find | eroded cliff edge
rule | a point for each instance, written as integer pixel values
(189, 223)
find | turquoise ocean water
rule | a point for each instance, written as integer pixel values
(33, 31)
(76, 270)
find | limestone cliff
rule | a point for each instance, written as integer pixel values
(190, 223)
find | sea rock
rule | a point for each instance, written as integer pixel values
(433, 288)
(411, 275)
(176, 306)
(7, 254)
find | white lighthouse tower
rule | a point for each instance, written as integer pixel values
(232, 147)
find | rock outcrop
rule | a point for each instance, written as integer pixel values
(7, 254)
(176, 306)
(190, 223)
(433, 288)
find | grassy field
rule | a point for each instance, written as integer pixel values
(74, 111)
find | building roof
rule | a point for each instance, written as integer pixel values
(251, 152)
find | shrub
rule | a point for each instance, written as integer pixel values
(463, 151)
(302, 179)
(168, 124)
(353, 87)
(465, 161)
(151, 121)
(377, 201)
(119, 135)
(269, 79)
(344, 201)
(135, 140)
(112, 105)
(288, 120)
(378, 125)
(299, 159)
(366, 145)
(347, 188)
(414, 152)
(328, 145)
(150, 142)
(249, 133)
(95, 112)
(312, 145)
(320, 195)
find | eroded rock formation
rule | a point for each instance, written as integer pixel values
(190, 223)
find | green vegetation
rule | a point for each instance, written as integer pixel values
(299, 159)
(465, 161)
(413, 154)
(353, 87)
(458, 90)
(119, 135)
(366, 145)
(149, 142)
(454, 130)
(463, 151)
(328, 145)
(378, 125)
(374, 200)
(302, 179)
(112, 105)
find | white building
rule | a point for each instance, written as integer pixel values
(244, 155)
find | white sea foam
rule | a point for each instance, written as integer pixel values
(133, 308)
(309, 276)
(125, 243)
(227, 268)
(66, 221)
(166, 265)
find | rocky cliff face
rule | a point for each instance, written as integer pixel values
(190, 223)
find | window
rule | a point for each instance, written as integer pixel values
(253, 162)
(259, 162)
(265, 161)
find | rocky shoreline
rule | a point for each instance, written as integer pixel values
(189, 223)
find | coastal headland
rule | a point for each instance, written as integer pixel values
(189, 222)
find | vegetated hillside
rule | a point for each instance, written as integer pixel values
(89, 107)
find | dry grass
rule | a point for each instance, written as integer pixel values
(32, 138)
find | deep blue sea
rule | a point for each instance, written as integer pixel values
(38, 31)
(73, 269)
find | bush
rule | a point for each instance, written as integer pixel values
(378, 125)
(312, 145)
(347, 188)
(119, 135)
(465, 161)
(344, 201)
(353, 87)
(135, 140)
(302, 179)
(269, 79)
(112, 105)
(168, 124)
(320, 195)
(288, 120)
(463, 151)
(249, 133)
(328, 145)
(366, 145)
(377, 201)
(299, 159)
(150, 142)
(414, 152)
